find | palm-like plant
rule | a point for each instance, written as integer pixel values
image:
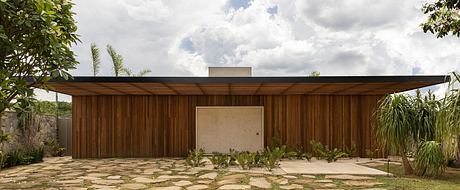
(448, 120)
(144, 72)
(394, 124)
(425, 112)
(117, 60)
(95, 58)
(118, 67)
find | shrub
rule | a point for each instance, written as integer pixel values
(324, 151)
(334, 154)
(220, 160)
(257, 160)
(13, 158)
(53, 148)
(36, 154)
(350, 151)
(245, 159)
(429, 159)
(233, 154)
(272, 156)
(3, 157)
(195, 158)
(371, 153)
(318, 148)
(297, 153)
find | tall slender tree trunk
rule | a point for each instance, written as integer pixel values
(406, 164)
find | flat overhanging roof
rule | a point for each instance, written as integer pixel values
(339, 85)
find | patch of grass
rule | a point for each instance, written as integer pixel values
(449, 181)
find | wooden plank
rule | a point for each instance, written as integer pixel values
(164, 125)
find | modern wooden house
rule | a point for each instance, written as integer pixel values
(168, 116)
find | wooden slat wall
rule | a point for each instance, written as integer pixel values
(164, 126)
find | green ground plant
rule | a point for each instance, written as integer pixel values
(245, 160)
(195, 158)
(220, 160)
(272, 156)
(331, 155)
(350, 151)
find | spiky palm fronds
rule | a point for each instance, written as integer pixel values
(394, 121)
(127, 71)
(429, 159)
(117, 60)
(144, 72)
(448, 119)
(394, 125)
(96, 58)
(425, 112)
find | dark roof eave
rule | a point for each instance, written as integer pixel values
(435, 79)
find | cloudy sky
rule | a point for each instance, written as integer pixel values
(275, 37)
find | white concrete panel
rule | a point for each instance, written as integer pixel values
(220, 128)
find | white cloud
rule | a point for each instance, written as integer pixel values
(355, 37)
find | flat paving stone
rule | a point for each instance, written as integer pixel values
(98, 174)
(173, 177)
(73, 181)
(211, 175)
(114, 177)
(260, 182)
(309, 176)
(197, 187)
(281, 181)
(292, 186)
(289, 177)
(101, 187)
(134, 186)
(235, 187)
(228, 181)
(107, 181)
(234, 176)
(166, 188)
(323, 181)
(182, 183)
(316, 167)
(348, 177)
(143, 180)
(361, 183)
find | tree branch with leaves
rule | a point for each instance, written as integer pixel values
(35, 40)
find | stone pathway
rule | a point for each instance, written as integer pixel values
(166, 174)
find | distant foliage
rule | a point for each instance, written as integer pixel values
(49, 108)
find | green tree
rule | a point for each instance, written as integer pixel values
(394, 121)
(403, 122)
(35, 40)
(448, 120)
(443, 18)
(95, 58)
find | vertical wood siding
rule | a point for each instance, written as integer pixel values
(164, 126)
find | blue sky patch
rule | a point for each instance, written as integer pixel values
(187, 45)
(236, 4)
(272, 10)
